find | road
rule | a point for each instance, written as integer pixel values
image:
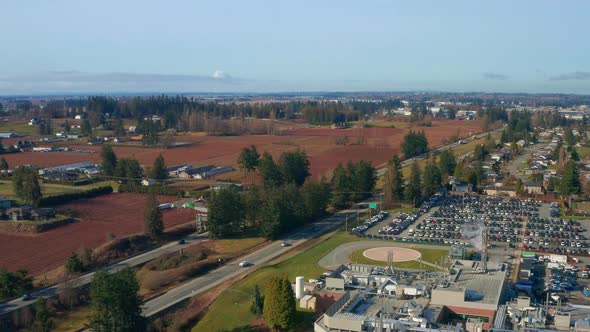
(217, 276)
(407, 162)
(51, 291)
(513, 167)
(232, 269)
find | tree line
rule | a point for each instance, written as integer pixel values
(286, 197)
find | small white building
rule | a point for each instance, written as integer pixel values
(148, 182)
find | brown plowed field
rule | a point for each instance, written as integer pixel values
(118, 214)
(319, 143)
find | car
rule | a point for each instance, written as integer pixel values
(27, 297)
(181, 241)
(245, 264)
(285, 244)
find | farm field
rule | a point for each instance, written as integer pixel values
(100, 218)
(376, 144)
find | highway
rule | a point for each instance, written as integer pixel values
(51, 291)
(232, 269)
(217, 276)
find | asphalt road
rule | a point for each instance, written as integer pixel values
(18, 303)
(232, 269)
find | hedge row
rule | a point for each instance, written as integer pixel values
(158, 190)
(70, 183)
(66, 198)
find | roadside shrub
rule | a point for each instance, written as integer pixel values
(66, 198)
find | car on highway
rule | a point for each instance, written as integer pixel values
(285, 244)
(27, 297)
(181, 241)
(245, 264)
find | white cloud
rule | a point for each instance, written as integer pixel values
(220, 74)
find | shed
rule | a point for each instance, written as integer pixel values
(308, 302)
(148, 182)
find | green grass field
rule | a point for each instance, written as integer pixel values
(583, 152)
(19, 128)
(428, 255)
(47, 190)
(231, 310)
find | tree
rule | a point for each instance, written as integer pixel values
(119, 128)
(364, 177)
(258, 302)
(316, 196)
(279, 304)
(109, 160)
(43, 323)
(447, 163)
(413, 189)
(270, 218)
(14, 283)
(153, 223)
(574, 155)
(74, 264)
(226, 213)
(431, 178)
(150, 133)
(26, 185)
(86, 127)
(158, 170)
(4, 164)
(294, 166)
(570, 181)
(67, 127)
(128, 168)
(414, 143)
(115, 305)
(480, 152)
(340, 187)
(269, 171)
(248, 160)
(569, 137)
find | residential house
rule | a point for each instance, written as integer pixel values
(34, 122)
(176, 170)
(19, 213)
(533, 187)
(500, 191)
(461, 186)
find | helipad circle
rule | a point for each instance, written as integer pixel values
(399, 254)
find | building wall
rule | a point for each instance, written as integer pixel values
(486, 315)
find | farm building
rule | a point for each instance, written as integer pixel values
(27, 212)
(148, 182)
(77, 167)
(7, 135)
(214, 172)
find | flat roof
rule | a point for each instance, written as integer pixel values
(486, 287)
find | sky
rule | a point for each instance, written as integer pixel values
(73, 46)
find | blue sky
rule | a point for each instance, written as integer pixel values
(263, 46)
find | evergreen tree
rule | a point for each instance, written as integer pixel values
(248, 160)
(413, 189)
(119, 128)
(364, 178)
(115, 304)
(74, 264)
(26, 185)
(158, 170)
(279, 304)
(316, 196)
(226, 213)
(574, 155)
(128, 169)
(447, 163)
(570, 139)
(414, 143)
(109, 160)
(150, 133)
(270, 215)
(341, 187)
(43, 322)
(258, 302)
(153, 222)
(86, 127)
(431, 179)
(269, 171)
(570, 181)
(294, 166)
(4, 164)
(67, 127)
(388, 187)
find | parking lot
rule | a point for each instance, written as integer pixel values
(509, 223)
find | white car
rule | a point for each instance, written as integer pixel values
(244, 263)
